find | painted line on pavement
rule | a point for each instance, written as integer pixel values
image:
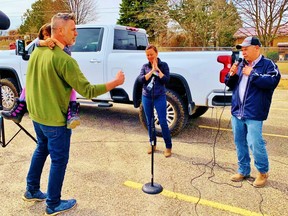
(203, 202)
(283, 109)
(228, 129)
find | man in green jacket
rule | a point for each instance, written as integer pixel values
(51, 75)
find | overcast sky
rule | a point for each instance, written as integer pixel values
(107, 10)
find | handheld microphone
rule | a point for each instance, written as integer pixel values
(239, 61)
(4, 21)
(155, 73)
(236, 64)
(151, 83)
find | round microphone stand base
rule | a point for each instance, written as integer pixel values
(150, 188)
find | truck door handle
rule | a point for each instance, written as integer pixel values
(95, 61)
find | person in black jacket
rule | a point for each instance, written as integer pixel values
(154, 95)
(253, 82)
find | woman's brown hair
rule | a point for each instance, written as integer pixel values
(151, 46)
(45, 27)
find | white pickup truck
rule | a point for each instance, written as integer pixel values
(196, 83)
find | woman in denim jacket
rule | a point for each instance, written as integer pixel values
(154, 75)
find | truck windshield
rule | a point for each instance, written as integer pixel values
(129, 40)
(88, 40)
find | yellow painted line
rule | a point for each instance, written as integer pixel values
(228, 129)
(283, 109)
(204, 202)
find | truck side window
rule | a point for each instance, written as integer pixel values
(129, 40)
(88, 40)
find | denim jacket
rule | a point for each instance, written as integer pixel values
(159, 84)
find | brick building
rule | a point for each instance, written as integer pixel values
(280, 42)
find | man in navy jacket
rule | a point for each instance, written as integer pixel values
(253, 82)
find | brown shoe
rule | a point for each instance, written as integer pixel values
(238, 177)
(260, 180)
(150, 149)
(167, 152)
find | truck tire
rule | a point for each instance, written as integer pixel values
(9, 93)
(177, 115)
(200, 110)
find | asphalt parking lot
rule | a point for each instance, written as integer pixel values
(109, 164)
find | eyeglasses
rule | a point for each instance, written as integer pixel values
(66, 16)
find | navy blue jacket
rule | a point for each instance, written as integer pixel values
(159, 86)
(262, 81)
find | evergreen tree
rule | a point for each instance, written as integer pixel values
(132, 14)
(41, 12)
(226, 21)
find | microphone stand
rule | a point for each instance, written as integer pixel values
(151, 187)
(2, 132)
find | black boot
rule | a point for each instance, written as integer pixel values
(16, 113)
(73, 120)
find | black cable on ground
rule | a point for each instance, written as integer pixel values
(211, 165)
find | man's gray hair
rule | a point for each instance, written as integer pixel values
(61, 16)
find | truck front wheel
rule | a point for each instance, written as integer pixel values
(177, 115)
(9, 93)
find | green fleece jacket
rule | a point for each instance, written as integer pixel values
(51, 75)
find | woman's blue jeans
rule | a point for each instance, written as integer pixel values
(56, 142)
(160, 105)
(248, 134)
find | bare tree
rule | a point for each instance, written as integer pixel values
(205, 22)
(266, 16)
(85, 10)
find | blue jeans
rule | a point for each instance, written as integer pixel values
(248, 134)
(160, 105)
(56, 142)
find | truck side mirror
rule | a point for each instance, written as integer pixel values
(20, 49)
